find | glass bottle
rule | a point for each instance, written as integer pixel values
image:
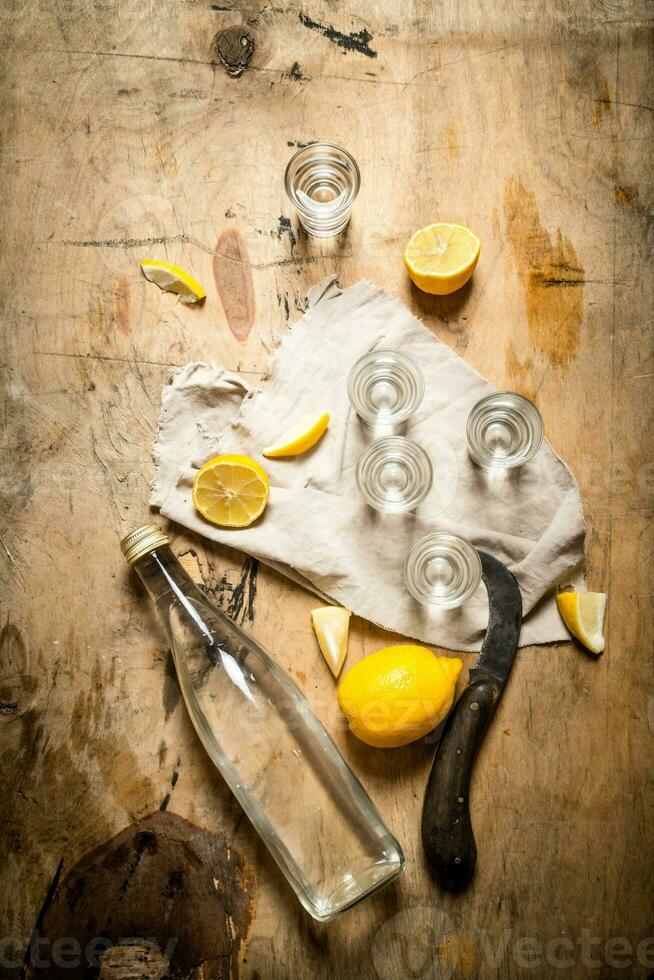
(297, 790)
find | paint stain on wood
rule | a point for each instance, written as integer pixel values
(238, 600)
(173, 782)
(284, 227)
(232, 273)
(453, 144)
(296, 74)
(282, 299)
(244, 592)
(358, 41)
(627, 195)
(601, 105)
(519, 371)
(122, 297)
(191, 565)
(457, 952)
(190, 893)
(551, 275)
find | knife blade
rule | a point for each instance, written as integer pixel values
(447, 834)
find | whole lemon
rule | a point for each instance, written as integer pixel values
(398, 694)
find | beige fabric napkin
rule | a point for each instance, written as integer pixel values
(316, 528)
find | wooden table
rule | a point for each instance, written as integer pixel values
(126, 137)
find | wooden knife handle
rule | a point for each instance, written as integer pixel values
(447, 835)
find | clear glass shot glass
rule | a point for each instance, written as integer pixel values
(385, 387)
(504, 430)
(394, 474)
(442, 570)
(322, 181)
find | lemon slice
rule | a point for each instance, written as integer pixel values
(331, 625)
(300, 437)
(441, 258)
(173, 279)
(583, 614)
(231, 491)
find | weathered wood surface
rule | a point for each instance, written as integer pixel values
(125, 136)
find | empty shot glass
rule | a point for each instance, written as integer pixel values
(504, 430)
(385, 387)
(322, 181)
(394, 474)
(442, 570)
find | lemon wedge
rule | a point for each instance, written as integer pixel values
(231, 491)
(441, 257)
(173, 279)
(583, 614)
(300, 437)
(331, 625)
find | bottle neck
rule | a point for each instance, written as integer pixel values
(162, 575)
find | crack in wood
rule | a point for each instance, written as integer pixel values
(38, 925)
(135, 362)
(186, 239)
(280, 72)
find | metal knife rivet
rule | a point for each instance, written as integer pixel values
(474, 706)
(458, 751)
(457, 860)
(460, 799)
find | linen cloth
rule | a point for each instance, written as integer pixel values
(316, 528)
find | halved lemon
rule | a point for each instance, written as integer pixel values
(331, 625)
(173, 279)
(231, 491)
(304, 434)
(583, 614)
(441, 257)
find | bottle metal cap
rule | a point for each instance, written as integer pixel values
(142, 540)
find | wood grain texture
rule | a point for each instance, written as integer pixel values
(124, 138)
